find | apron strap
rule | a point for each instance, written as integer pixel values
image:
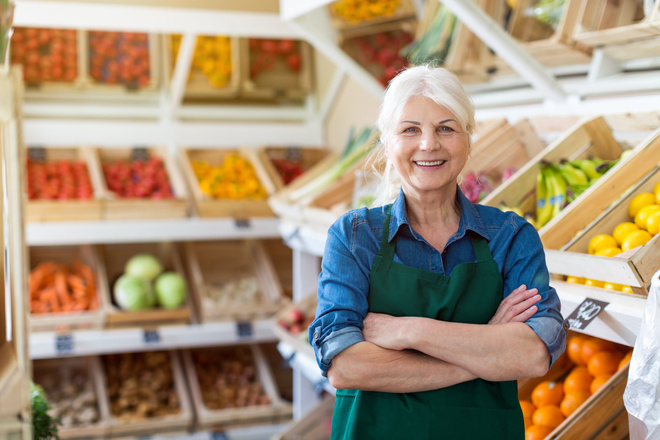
(481, 249)
(386, 249)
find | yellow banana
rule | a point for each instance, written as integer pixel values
(558, 192)
(543, 207)
(573, 175)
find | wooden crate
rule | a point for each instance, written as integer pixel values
(114, 257)
(606, 22)
(306, 158)
(171, 424)
(273, 412)
(315, 425)
(214, 265)
(279, 83)
(68, 210)
(83, 372)
(119, 90)
(589, 137)
(404, 10)
(117, 208)
(297, 340)
(281, 256)
(208, 206)
(86, 319)
(198, 87)
(548, 46)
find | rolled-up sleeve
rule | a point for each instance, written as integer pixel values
(343, 287)
(525, 264)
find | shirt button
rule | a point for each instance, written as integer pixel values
(316, 335)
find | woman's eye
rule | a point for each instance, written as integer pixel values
(410, 129)
(445, 128)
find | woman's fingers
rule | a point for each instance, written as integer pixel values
(519, 306)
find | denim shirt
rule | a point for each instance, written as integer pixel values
(353, 243)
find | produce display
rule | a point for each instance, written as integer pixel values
(59, 288)
(228, 378)
(119, 58)
(477, 186)
(434, 44)
(356, 11)
(45, 54)
(548, 12)
(212, 57)
(266, 54)
(138, 179)
(234, 178)
(296, 320)
(288, 169)
(380, 53)
(58, 180)
(145, 285)
(141, 385)
(70, 392)
(241, 290)
(593, 362)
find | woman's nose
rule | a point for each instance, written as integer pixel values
(428, 141)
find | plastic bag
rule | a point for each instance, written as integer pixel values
(642, 395)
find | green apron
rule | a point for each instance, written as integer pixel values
(474, 410)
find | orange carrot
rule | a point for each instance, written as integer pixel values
(61, 289)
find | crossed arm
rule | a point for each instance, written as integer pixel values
(405, 354)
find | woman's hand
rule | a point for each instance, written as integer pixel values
(384, 330)
(519, 306)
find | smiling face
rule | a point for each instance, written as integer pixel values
(428, 148)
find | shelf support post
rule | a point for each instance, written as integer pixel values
(181, 70)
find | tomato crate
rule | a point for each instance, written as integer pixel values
(607, 22)
(352, 15)
(50, 58)
(233, 386)
(551, 47)
(634, 267)
(119, 64)
(315, 425)
(76, 391)
(255, 202)
(292, 323)
(165, 194)
(232, 280)
(284, 164)
(208, 79)
(65, 271)
(114, 258)
(45, 166)
(154, 378)
(272, 72)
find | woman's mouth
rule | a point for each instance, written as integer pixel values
(429, 163)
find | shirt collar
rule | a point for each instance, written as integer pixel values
(470, 218)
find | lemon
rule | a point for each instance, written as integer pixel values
(640, 201)
(653, 223)
(601, 241)
(609, 251)
(626, 289)
(634, 239)
(613, 286)
(594, 283)
(622, 230)
(644, 213)
(656, 191)
(575, 280)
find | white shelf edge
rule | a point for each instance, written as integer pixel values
(121, 340)
(302, 238)
(135, 231)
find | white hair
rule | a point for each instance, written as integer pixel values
(435, 83)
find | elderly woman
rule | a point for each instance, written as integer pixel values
(430, 307)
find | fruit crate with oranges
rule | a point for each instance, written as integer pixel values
(275, 70)
(63, 184)
(581, 396)
(227, 182)
(141, 183)
(215, 68)
(612, 243)
(347, 15)
(67, 288)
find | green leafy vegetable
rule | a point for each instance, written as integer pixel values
(43, 425)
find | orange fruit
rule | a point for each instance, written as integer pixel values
(634, 239)
(609, 251)
(638, 202)
(547, 393)
(622, 230)
(527, 408)
(653, 223)
(548, 415)
(574, 280)
(593, 283)
(537, 432)
(601, 241)
(579, 379)
(592, 346)
(624, 360)
(643, 214)
(598, 382)
(574, 349)
(572, 401)
(604, 362)
(527, 422)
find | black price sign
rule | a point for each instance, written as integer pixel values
(64, 343)
(585, 313)
(244, 329)
(151, 336)
(219, 435)
(242, 223)
(140, 154)
(36, 154)
(294, 154)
